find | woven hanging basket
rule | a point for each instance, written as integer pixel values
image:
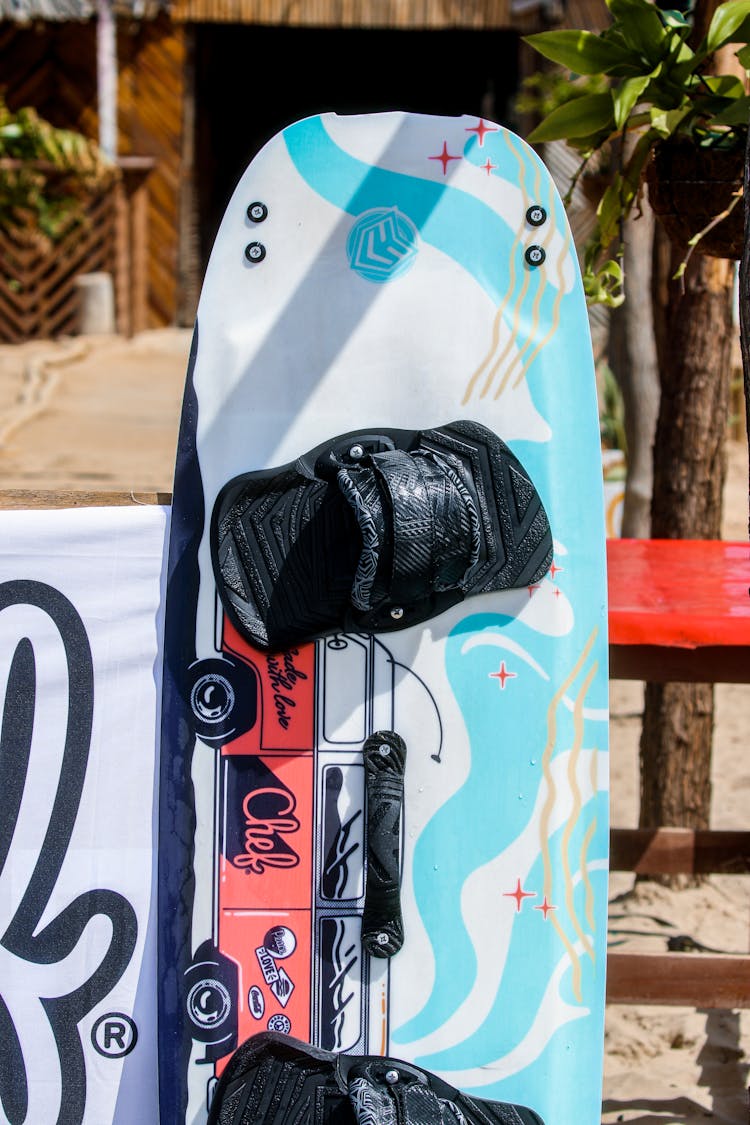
(688, 186)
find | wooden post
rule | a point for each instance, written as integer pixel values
(744, 300)
(132, 238)
(106, 74)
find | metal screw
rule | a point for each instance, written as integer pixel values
(257, 212)
(382, 939)
(535, 255)
(536, 215)
(356, 452)
(391, 1077)
(255, 252)
(384, 749)
(397, 613)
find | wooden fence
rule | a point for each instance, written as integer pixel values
(38, 292)
(39, 296)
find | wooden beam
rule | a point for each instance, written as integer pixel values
(726, 664)
(674, 851)
(19, 499)
(690, 980)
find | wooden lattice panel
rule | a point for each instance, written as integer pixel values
(38, 292)
(52, 66)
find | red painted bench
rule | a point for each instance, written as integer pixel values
(679, 610)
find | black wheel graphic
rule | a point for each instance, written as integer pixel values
(210, 990)
(223, 699)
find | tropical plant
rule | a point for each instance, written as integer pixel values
(659, 88)
(46, 174)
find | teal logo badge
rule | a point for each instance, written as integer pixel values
(382, 244)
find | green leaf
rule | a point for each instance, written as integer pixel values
(580, 117)
(609, 211)
(744, 56)
(583, 52)
(626, 96)
(724, 85)
(726, 22)
(738, 113)
(639, 23)
(666, 122)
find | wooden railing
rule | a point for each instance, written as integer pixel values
(660, 631)
(39, 298)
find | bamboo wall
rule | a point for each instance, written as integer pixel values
(397, 14)
(53, 68)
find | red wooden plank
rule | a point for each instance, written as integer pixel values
(690, 980)
(672, 851)
(678, 593)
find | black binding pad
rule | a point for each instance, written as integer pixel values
(375, 530)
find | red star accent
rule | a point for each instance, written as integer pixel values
(503, 675)
(519, 895)
(545, 908)
(444, 157)
(553, 571)
(488, 165)
(481, 131)
(557, 593)
(532, 589)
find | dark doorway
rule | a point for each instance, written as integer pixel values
(252, 81)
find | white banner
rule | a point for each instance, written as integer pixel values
(81, 603)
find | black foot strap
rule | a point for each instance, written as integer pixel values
(273, 1079)
(382, 923)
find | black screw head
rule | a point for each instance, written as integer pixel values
(257, 212)
(255, 252)
(536, 216)
(535, 255)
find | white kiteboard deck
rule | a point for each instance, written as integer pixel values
(406, 271)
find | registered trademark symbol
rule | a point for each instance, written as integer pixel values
(114, 1035)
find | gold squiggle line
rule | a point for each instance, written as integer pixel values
(511, 339)
(551, 796)
(520, 299)
(575, 754)
(498, 321)
(589, 890)
(518, 358)
(555, 310)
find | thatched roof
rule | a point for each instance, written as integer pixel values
(27, 11)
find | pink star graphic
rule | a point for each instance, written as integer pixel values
(502, 675)
(488, 166)
(519, 895)
(444, 157)
(481, 131)
(545, 908)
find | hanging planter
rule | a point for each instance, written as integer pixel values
(690, 186)
(661, 89)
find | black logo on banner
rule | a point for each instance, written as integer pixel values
(25, 937)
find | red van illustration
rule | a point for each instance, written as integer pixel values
(288, 874)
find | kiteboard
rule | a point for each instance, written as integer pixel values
(379, 272)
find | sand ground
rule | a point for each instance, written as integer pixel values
(102, 413)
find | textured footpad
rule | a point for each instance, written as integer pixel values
(376, 532)
(277, 1080)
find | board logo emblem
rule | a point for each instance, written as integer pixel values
(382, 244)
